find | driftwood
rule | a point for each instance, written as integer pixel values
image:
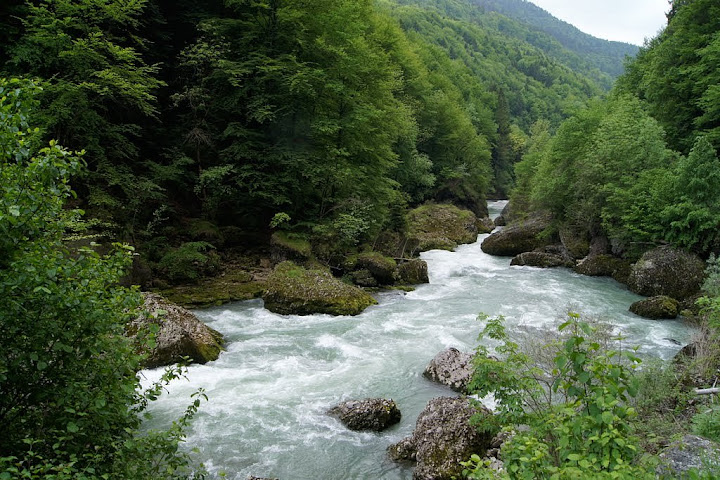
(707, 391)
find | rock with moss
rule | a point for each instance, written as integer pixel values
(413, 272)
(518, 238)
(575, 241)
(288, 247)
(604, 265)
(452, 368)
(441, 227)
(382, 268)
(667, 271)
(231, 286)
(370, 414)
(485, 225)
(656, 308)
(179, 334)
(443, 437)
(294, 290)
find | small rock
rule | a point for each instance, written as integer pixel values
(451, 367)
(376, 414)
(485, 225)
(656, 308)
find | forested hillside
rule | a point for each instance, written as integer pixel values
(606, 55)
(200, 116)
(641, 167)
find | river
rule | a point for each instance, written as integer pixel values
(268, 393)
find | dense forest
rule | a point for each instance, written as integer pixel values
(195, 129)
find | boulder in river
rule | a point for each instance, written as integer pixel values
(451, 367)
(667, 271)
(604, 265)
(442, 226)
(294, 290)
(539, 259)
(375, 414)
(518, 238)
(443, 438)
(691, 452)
(485, 225)
(180, 334)
(656, 308)
(382, 268)
(413, 272)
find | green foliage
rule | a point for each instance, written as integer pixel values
(189, 262)
(694, 214)
(677, 74)
(577, 410)
(71, 406)
(707, 424)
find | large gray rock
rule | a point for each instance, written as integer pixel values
(443, 438)
(667, 271)
(451, 367)
(656, 308)
(688, 453)
(180, 334)
(518, 238)
(374, 414)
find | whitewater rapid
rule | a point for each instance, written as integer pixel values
(269, 392)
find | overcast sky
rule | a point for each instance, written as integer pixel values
(628, 21)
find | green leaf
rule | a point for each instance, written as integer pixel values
(607, 417)
(72, 427)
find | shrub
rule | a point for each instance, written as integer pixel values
(190, 262)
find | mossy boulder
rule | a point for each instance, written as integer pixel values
(667, 271)
(289, 247)
(294, 290)
(413, 272)
(659, 307)
(604, 265)
(518, 238)
(382, 268)
(444, 436)
(442, 227)
(485, 225)
(232, 286)
(575, 241)
(370, 414)
(180, 334)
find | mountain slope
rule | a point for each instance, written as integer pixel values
(606, 55)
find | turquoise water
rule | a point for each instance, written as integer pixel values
(268, 393)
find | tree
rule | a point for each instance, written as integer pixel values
(694, 214)
(98, 92)
(70, 406)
